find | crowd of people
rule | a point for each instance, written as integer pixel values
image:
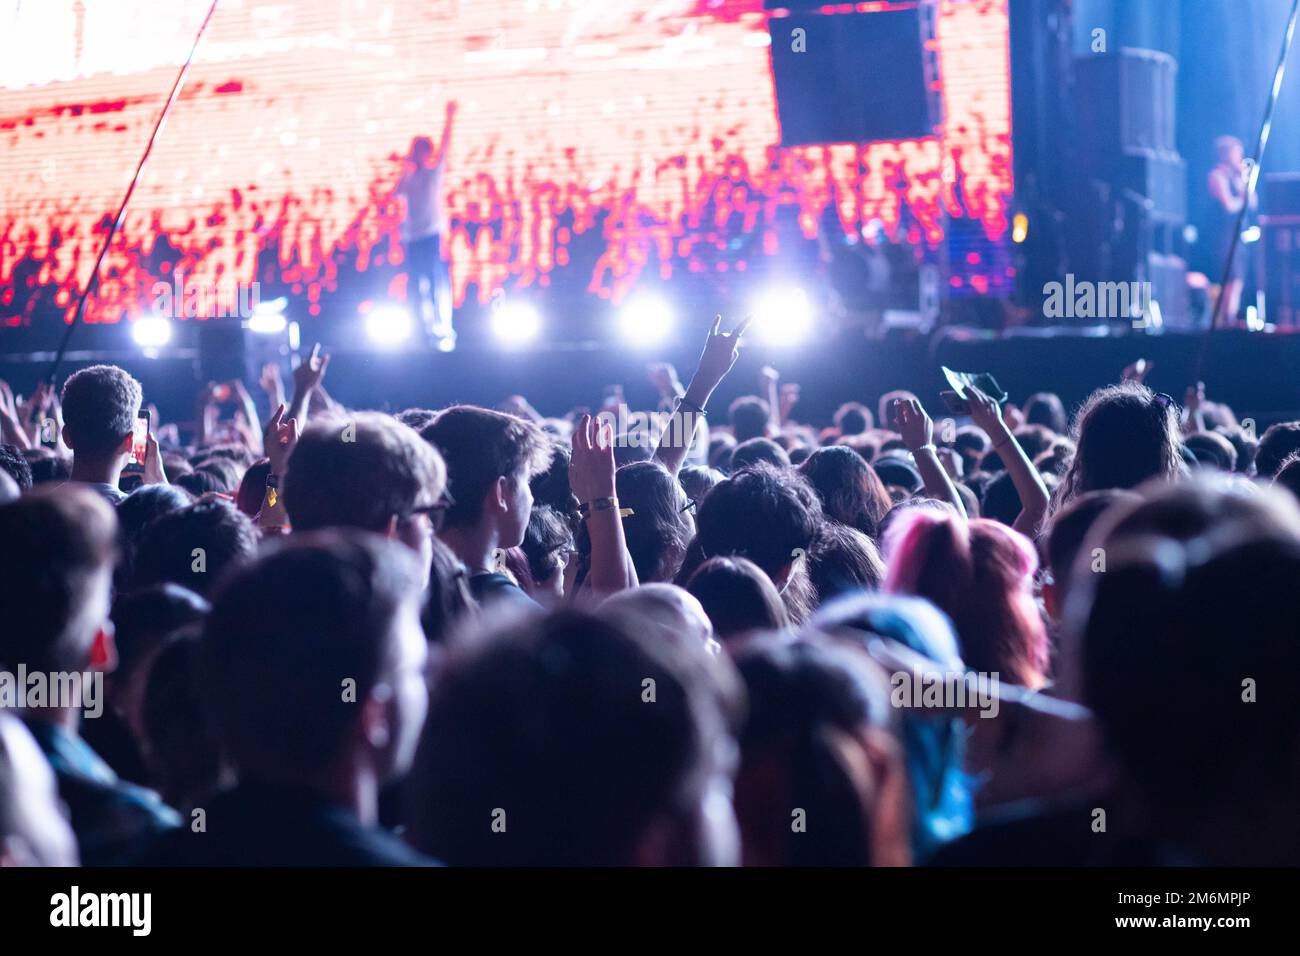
(312, 635)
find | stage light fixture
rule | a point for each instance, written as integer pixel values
(782, 316)
(151, 331)
(268, 317)
(389, 325)
(645, 321)
(515, 323)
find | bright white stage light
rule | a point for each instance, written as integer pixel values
(389, 325)
(516, 323)
(782, 316)
(151, 331)
(268, 317)
(646, 321)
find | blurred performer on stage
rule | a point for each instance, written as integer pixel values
(427, 284)
(1227, 185)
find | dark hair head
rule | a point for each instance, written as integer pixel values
(698, 480)
(479, 446)
(738, 597)
(1212, 449)
(853, 418)
(545, 544)
(750, 418)
(226, 473)
(199, 482)
(544, 726)
(756, 450)
(1001, 501)
(809, 702)
(285, 634)
(660, 526)
(1278, 443)
(850, 490)
(100, 404)
(62, 542)
(15, 465)
(843, 559)
(551, 486)
(360, 472)
(721, 445)
(1124, 435)
(1070, 527)
(448, 600)
(181, 751)
(194, 546)
(763, 514)
(416, 418)
(971, 443)
(1046, 409)
(1169, 646)
(47, 468)
(897, 471)
(1288, 475)
(144, 619)
(1243, 444)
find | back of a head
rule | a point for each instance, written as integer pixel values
(1124, 435)
(543, 728)
(843, 559)
(762, 514)
(660, 527)
(698, 480)
(738, 597)
(142, 620)
(1001, 501)
(1070, 528)
(15, 466)
(853, 418)
(287, 633)
(811, 704)
(194, 545)
(750, 418)
(1288, 475)
(1212, 450)
(754, 451)
(1277, 444)
(1175, 640)
(546, 544)
(479, 446)
(100, 404)
(359, 472)
(850, 490)
(1046, 409)
(979, 573)
(55, 591)
(252, 488)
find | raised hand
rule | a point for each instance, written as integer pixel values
(153, 464)
(789, 399)
(591, 467)
(914, 425)
(279, 438)
(1137, 371)
(309, 373)
(270, 381)
(986, 413)
(721, 349)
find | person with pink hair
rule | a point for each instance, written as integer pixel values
(980, 573)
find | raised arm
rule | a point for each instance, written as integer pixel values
(721, 349)
(306, 379)
(984, 411)
(769, 378)
(279, 438)
(918, 434)
(445, 141)
(591, 476)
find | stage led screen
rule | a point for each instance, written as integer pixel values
(597, 143)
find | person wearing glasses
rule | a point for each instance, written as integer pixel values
(367, 471)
